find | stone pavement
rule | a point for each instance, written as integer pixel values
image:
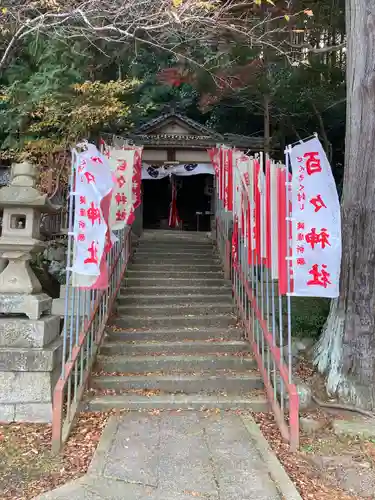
(174, 456)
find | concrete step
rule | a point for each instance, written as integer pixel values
(176, 402)
(164, 310)
(181, 383)
(131, 280)
(180, 254)
(177, 321)
(170, 234)
(164, 364)
(174, 274)
(173, 347)
(178, 261)
(186, 290)
(176, 244)
(151, 268)
(178, 301)
(173, 334)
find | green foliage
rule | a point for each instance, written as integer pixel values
(48, 101)
(309, 315)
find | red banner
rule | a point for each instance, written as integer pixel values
(285, 265)
(257, 210)
(230, 181)
(268, 223)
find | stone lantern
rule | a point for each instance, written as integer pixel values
(30, 342)
(23, 206)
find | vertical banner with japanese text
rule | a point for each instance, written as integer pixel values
(93, 184)
(316, 222)
(122, 166)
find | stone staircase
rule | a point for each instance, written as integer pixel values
(174, 342)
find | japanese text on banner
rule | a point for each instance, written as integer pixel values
(316, 222)
(93, 183)
(122, 165)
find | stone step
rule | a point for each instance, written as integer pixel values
(180, 254)
(178, 301)
(181, 245)
(173, 334)
(164, 310)
(177, 321)
(164, 364)
(172, 274)
(189, 290)
(170, 234)
(237, 383)
(138, 280)
(173, 347)
(178, 261)
(176, 402)
(151, 268)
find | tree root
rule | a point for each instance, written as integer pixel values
(339, 406)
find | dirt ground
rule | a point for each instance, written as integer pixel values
(327, 467)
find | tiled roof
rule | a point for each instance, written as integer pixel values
(169, 117)
(204, 136)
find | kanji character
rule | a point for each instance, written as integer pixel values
(81, 237)
(120, 198)
(121, 181)
(81, 224)
(318, 203)
(300, 226)
(82, 212)
(320, 278)
(301, 196)
(122, 166)
(314, 238)
(82, 200)
(312, 163)
(120, 215)
(93, 251)
(300, 237)
(82, 166)
(96, 159)
(301, 261)
(89, 177)
(93, 213)
(300, 249)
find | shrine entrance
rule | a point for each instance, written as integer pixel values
(177, 174)
(156, 196)
(185, 199)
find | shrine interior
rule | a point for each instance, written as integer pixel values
(194, 202)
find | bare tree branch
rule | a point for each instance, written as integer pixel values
(318, 50)
(154, 22)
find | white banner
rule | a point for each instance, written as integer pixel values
(149, 172)
(316, 222)
(93, 182)
(122, 165)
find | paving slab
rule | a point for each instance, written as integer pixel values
(174, 456)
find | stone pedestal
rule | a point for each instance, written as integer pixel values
(30, 365)
(30, 343)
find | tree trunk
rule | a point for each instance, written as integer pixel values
(346, 350)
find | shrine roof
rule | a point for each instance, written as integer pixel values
(176, 130)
